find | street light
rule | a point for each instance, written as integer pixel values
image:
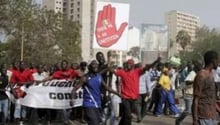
(22, 42)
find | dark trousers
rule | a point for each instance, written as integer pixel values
(126, 111)
(44, 112)
(141, 105)
(93, 115)
(154, 99)
(12, 109)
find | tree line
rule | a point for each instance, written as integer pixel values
(43, 35)
(206, 39)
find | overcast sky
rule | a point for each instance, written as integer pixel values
(152, 11)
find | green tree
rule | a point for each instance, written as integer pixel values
(183, 38)
(206, 39)
(47, 36)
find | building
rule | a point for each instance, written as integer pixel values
(133, 37)
(177, 20)
(78, 10)
(133, 43)
(153, 42)
(56, 5)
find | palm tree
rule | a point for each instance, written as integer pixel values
(183, 38)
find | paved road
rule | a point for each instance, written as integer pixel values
(152, 120)
(148, 120)
(163, 120)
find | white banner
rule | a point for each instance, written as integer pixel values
(111, 26)
(54, 94)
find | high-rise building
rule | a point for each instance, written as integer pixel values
(78, 10)
(56, 5)
(177, 20)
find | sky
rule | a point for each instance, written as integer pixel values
(153, 11)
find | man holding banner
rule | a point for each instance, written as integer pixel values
(38, 76)
(20, 77)
(65, 74)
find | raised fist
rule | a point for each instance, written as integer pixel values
(106, 31)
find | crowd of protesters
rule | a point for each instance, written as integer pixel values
(116, 93)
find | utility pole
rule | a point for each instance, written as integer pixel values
(22, 42)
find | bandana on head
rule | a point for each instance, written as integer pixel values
(91, 60)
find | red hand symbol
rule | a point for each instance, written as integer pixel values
(106, 31)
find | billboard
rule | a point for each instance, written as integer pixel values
(153, 42)
(111, 26)
(154, 37)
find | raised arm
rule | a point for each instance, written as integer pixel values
(147, 66)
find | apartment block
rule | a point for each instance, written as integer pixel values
(78, 10)
(177, 20)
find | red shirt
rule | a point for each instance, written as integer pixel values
(33, 70)
(68, 74)
(129, 82)
(21, 76)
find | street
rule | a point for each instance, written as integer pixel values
(163, 120)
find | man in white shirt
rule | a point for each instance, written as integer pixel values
(39, 76)
(115, 101)
(188, 94)
(144, 92)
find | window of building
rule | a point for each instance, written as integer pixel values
(78, 16)
(78, 3)
(57, 8)
(64, 4)
(64, 9)
(78, 9)
(71, 17)
(71, 11)
(60, 2)
(56, 1)
(72, 4)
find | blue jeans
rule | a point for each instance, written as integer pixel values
(207, 122)
(114, 111)
(20, 111)
(187, 111)
(166, 96)
(4, 109)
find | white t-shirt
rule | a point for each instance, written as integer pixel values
(191, 77)
(115, 98)
(9, 74)
(173, 78)
(144, 83)
(216, 74)
(41, 76)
